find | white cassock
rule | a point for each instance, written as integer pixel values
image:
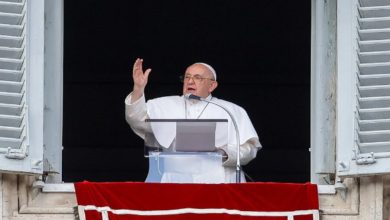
(177, 107)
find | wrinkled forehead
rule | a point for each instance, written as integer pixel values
(201, 69)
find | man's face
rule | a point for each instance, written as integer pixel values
(198, 80)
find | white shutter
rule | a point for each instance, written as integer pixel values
(16, 152)
(370, 153)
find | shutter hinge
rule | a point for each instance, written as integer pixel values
(18, 154)
(365, 159)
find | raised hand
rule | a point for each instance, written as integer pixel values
(140, 79)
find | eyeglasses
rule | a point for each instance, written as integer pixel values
(196, 78)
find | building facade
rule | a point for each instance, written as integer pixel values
(350, 110)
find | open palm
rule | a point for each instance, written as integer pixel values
(140, 77)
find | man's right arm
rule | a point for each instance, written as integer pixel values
(136, 110)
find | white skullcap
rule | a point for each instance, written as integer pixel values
(210, 68)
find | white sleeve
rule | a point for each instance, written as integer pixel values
(248, 152)
(136, 113)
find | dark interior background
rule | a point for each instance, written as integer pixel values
(260, 50)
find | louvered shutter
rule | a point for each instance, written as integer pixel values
(16, 152)
(370, 153)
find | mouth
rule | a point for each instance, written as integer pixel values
(191, 90)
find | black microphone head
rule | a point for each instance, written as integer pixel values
(191, 96)
(187, 96)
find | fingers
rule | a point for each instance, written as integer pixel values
(137, 65)
(139, 76)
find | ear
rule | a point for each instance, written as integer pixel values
(213, 86)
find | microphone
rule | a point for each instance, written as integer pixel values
(238, 164)
(191, 96)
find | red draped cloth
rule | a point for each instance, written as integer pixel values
(163, 201)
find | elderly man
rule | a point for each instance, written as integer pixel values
(199, 79)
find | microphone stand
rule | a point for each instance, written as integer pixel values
(238, 164)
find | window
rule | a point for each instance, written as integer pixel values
(42, 99)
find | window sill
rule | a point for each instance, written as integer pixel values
(326, 189)
(58, 188)
(69, 188)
